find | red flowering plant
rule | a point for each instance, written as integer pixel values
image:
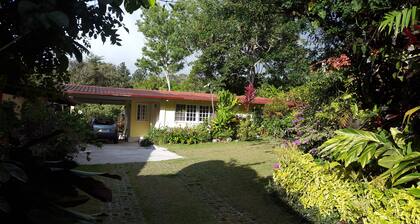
(250, 93)
(339, 62)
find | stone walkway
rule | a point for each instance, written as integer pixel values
(124, 208)
(220, 208)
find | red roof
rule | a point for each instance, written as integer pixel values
(75, 89)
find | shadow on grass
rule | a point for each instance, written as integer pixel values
(211, 192)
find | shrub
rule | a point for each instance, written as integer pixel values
(224, 125)
(319, 191)
(145, 142)
(189, 135)
(277, 127)
(247, 130)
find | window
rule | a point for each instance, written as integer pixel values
(142, 112)
(180, 112)
(191, 112)
(204, 113)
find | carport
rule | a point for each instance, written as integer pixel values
(87, 97)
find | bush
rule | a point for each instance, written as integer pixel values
(247, 130)
(224, 125)
(319, 191)
(67, 132)
(145, 142)
(191, 135)
(277, 127)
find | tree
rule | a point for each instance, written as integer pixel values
(37, 37)
(237, 42)
(163, 53)
(380, 71)
(96, 72)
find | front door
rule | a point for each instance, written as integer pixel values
(141, 124)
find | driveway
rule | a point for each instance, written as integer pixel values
(124, 153)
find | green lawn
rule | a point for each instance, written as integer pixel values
(214, 182)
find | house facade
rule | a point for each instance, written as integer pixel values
(146, 109)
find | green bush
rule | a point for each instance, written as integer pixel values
(277, 127)
(247, 130)
(319, 191)
(224, 124)
(189, 135)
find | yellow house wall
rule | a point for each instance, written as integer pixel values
(162, 115)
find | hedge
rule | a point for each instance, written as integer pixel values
(319, 193)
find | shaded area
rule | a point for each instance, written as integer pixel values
(210, 192)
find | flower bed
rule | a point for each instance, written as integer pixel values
(321, 194)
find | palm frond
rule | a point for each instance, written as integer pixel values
(398, 20)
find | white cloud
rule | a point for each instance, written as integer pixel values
(131, 44)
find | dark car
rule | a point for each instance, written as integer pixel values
(105, 129)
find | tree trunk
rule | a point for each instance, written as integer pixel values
(168, 82)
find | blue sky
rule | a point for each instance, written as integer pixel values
(130, 49)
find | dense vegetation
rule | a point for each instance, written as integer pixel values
(38, 180)
(343, 76)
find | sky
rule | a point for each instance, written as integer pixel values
(131, 44)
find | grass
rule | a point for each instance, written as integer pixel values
(184, 190)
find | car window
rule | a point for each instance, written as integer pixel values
(104, 121)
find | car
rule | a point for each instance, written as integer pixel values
(105, 128)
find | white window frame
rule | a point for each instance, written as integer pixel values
(183, 113)
(204, 113)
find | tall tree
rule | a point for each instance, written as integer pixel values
(237, 42)
(96, 72)
(163, 53)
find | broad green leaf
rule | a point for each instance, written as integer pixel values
(367, 154)
(415, 192)
(407, 178)
(389, 161)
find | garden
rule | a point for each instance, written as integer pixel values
(339, 142)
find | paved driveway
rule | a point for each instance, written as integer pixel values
(124, 153)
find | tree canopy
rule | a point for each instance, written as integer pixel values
(95, 72)
(37, 37)
(231, 42)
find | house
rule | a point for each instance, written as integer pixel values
(152, 108)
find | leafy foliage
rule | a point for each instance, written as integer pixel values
(193, 135)
(223, 125)
(363, 146)
(164, 53)
(398, 20)
(247, 130)
(95, 72)
(318, 192)
(237, 42)
(38, 181)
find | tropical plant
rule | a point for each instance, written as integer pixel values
(188, 135)
(249, 96)
(247, 130)
(224, 123)
(393, 153)
(38, 180)
(317, 190)
(399, 20)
